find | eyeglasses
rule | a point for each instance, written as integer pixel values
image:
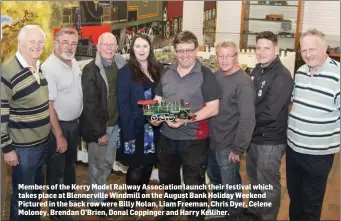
(227, 57)
(108, 45)
(183, 51)
(66, 43)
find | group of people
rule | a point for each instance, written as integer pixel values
(47, 109)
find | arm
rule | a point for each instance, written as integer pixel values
(55, 127)
(211, 109)
(6, 95)
(56, 130)
(91, 102)
(10, 155)
(246, 106)
(123, 101)
(278, 97)
(211, 94)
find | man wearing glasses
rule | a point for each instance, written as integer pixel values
(274, 84)
(185, 143)
(66, 104)
(231, 130)
(99, 120)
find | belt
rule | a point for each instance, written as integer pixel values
(69, 121)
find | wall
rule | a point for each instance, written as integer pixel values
(228, 20)
(325, 16)
(193, 19)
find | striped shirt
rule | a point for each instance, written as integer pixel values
(314, 120)
(24, 105)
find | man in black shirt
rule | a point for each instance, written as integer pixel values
(274, 84)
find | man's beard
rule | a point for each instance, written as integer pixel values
(66, 57)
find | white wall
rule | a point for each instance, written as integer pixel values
(228, 21)
(193, 19)
(325, 16)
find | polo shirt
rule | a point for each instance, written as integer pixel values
(65, 87)
(25, 118)
(197, 87)
(314, 120)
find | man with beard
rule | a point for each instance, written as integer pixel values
(66, 104)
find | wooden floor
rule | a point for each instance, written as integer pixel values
(331, 206)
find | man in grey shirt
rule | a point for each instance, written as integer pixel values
(66, 104)
(231, 130)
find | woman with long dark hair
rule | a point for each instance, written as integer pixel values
(136, 81)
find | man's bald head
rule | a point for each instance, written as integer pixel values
(107, 46)
(106, 35)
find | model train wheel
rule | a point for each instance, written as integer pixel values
(150, 33)
(182, 116)
(180, 24)
(166, 30)
(165, 14)
(175, 26)
(154, 117)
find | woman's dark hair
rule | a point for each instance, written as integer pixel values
(154, 68)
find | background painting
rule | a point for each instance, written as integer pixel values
(159, 19)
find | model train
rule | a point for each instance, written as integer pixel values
(125, 19)
(163, 111)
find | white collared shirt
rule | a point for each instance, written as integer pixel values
(65, 87)
(35, 71)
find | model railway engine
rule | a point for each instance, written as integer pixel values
(124, 19)
(166, 111)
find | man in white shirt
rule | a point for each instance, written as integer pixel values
(66, 104)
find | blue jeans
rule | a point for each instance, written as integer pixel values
(222, 171)
(29, 171)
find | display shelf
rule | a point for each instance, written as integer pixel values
(274, 5)
(279, 36)
(278, 19)
(267, 20)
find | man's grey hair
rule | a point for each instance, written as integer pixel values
(26, 29)
(225, 44)
(65, 31)
(314, 32)
(106, 34)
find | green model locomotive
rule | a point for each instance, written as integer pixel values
(166, 111)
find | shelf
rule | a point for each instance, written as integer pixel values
(267, 20)
(275, 5)
(279, 36)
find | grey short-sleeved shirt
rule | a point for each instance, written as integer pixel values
(65, 87)
(198, 87)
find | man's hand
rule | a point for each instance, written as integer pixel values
(234, 158)
(177, 123)
(61, 144)
(11, 158)
(155, 122)
(103, 140)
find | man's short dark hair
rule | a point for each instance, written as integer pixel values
(185, 37)
(268, 35)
